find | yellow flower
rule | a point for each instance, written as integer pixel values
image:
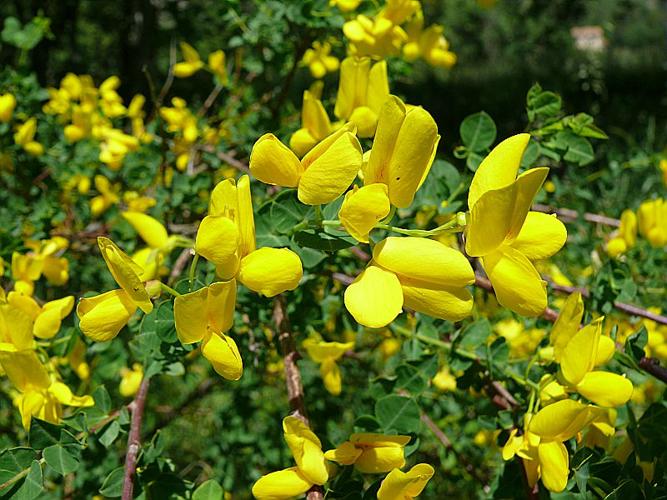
(505, 234)
(103, 316)
(327, 353)
(363, 208)
(205, 315)
(192, 62)
(47, 318)
(321, 176)
(115, 146)
(378, 37)
(345, 5)
(315, 125)
(403, 150)
(663, 167)
(398, 11)
(652, 219)
(16, 327)
(444, 381)
(25, 135)
(40, 395)
(310, 467)
(362, 90)
(216, 63)
(7, 105)
(400, 485)
(138, 203)
(319, 60)
(25, 270)
(130, 380)
(626, 236)
(371, 453)
(108, 195)
(77, 360)
(420, 273)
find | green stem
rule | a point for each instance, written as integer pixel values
(193, 270)
(169, 290)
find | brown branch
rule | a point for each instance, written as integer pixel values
(446, 442)
(569, 215)
(652, 366)
(292, 373)
(239, 165)
(180, 264)
(209, 100)
(134, 439)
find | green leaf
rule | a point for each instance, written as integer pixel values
(113, 484)
(43, 434)
(60, 459)
(12, 462)
(285, 211)
(102, 399)
(475, 334)
(410, 379)
(635, 344)
(322, 241)
(542, 104)
(397, 414)
(478, 131)
(577, 149)
(208, 490)
(32, 486)
(110, 434)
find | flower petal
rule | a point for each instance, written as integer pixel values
(220, 305)
(580, 352)
(223, 354)
(274, 163)
(103, 316)
(375, 297)
(424, 260)
(363, 208)
(561, 420)
(554, 465)
(567, 323)
(190, 316)
(517, 284)
(217, 241)
(499, 168)
(541, 236)
(281, 485)
(126, 273)
(450, 303)
(404, 485)
(330, 170)
(306, 449)
(151, 230)
(271, 271)
(391, 117)
(605, 388)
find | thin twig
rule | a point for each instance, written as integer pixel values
(239, 165)
(569, 215)
(134, 439)
(180, 263)
(292, 373)
(209, 100)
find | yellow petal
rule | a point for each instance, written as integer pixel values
(365, 120)
(246, 219)
(353, 84)
(375, 297)
(561, 420)
(150, 229)
(345, 454)
(330, 170)
(517, 284)
(15, 327)
(190, 316)
(30, 404)
(217, 241)
(424, 260)
(605, 389)
(376, 460)
(306, 449)
(103, 316)
(301, 142)
(271, 271)
(499, 214)
(126, 273)
(281, 485)
(189, 52)
(363, 208)
(330, 374)
(223, 354)
(412, 156)
(554, 465)
(314, 117)
(48, 322)
(606, 350)
(378, 86)
(391, 117)
(567, 323)
(220, 305)
(224, 199)
(499, 168)
(405, 485)
(319, 350)
(273, 163)
(580, 352)
(450, 303)
(24, 370)
(541, 236)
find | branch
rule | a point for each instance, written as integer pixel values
(292, 373)
(652, 366)
(180, 264)
(569, 215)
(134, 439)
(210, 100)
(239, 165)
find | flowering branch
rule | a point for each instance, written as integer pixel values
(292, 373)
(134, 439)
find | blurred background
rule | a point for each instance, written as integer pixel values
(606, 56)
